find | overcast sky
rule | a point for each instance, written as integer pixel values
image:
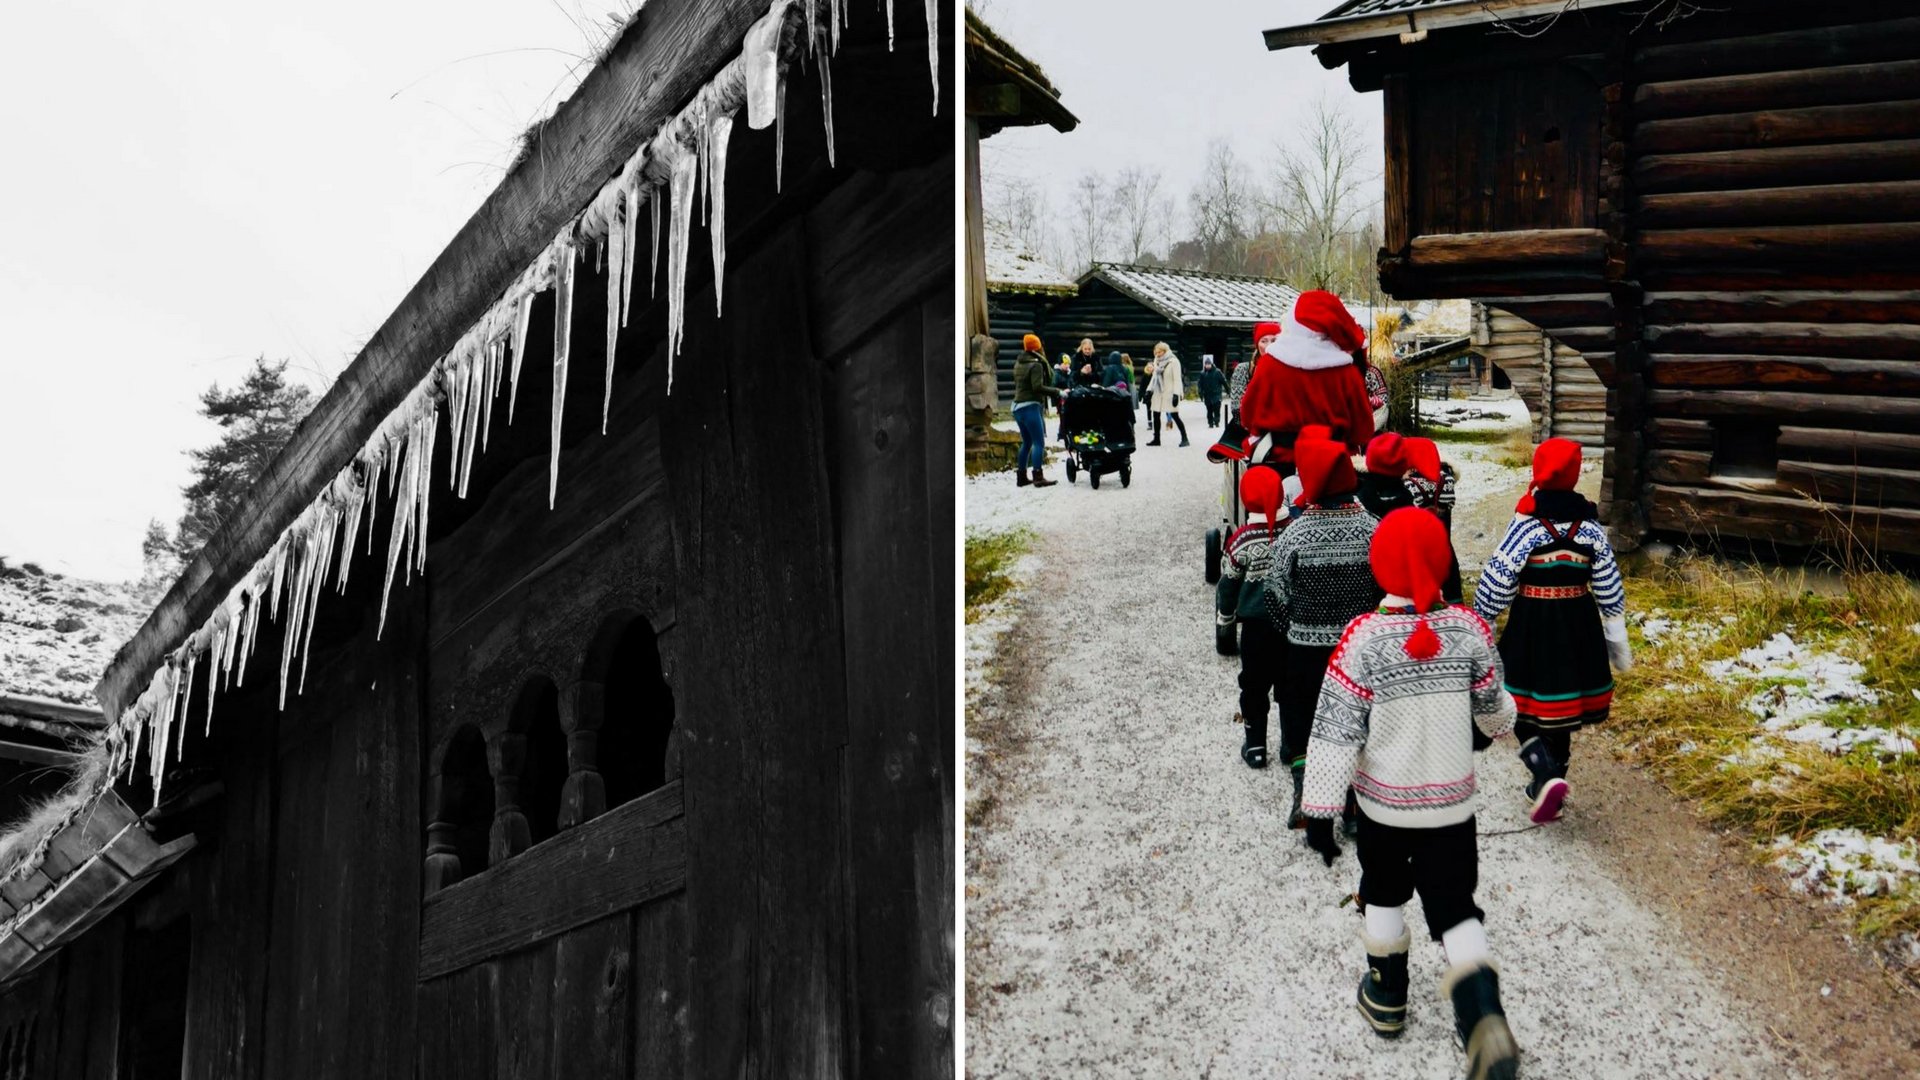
(193, 183)
(1153, 83)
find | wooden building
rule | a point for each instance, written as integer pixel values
(598, 716)
(1564, 395)
(1715, 205)
(1128, 308)
(1022, 289)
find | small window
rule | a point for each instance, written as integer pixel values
(1745, 449)
(466, 798)
(637, 723)
(544, 772)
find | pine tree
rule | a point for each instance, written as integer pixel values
(256, 419)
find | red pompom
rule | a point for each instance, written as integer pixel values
(1424, 644)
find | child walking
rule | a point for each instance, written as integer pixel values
(1556, 569)
(1317, 581)
(1403, 471)
(1412, 690)
(1238, 599)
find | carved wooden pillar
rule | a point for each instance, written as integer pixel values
(584, 796)
(507, 754)
(443, 854)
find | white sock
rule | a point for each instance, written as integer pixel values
(1385, 923)
(1466, 943)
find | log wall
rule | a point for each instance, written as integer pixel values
(1563, 392)
(1747, 291)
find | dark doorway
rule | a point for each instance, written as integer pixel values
(153, 1001)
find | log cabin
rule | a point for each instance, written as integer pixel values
(1715, 206)
(1022, 289)
(621, 746)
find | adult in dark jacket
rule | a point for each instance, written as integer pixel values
(1032, 389)
(1114, 374)
(1213, 385)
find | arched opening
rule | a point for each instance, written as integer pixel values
(466, 797)
(637, 715)
(543, 773)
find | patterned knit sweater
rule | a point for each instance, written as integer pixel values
(1318, 577)
(1244, 560)
(1399, 731)
(1500, 578)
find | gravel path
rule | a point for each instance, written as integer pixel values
(1136, 906)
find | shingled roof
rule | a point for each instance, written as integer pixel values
(1358, 20)
(1192, 297)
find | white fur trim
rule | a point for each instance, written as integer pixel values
(1306, 349)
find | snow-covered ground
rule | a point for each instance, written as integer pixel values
(1141, 909)
(57, 633)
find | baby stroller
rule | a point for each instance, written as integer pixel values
(1096, 424)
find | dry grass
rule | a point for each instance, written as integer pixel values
(990, 557)
(1513, 447)
(1697, 735)
(21, 838)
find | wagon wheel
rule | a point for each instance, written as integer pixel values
(1213, 556)
(1072, 471)
(1093, 478)
(1126, 475)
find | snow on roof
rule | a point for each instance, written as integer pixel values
(1013, 268)
(1192, 296)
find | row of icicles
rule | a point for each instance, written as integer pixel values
(688, 155)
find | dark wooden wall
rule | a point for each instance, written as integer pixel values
(782, 905)
(1745, 284)
(1115, 322)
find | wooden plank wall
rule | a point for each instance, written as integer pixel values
(1563, 392)
(1115, 322)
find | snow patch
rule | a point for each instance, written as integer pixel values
(1843, 864)
(1801, 685)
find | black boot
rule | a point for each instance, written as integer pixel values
(1296, 819)
(1548, 788)
(1383, 990)
(1040, 478)
(1253, 748)
(1481, 1023)
(1023, 478)
(1182, 425)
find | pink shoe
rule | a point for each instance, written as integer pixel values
(1546, 805)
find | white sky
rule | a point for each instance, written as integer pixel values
(1153, 83)
(190, 184)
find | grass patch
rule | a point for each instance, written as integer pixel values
(1512, 447)
(1696, 733)
(990, 557)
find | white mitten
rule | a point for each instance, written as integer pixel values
(1619, 653)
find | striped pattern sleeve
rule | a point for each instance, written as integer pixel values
(1493, 711)
(1233, 573)
(1500, 577)
(1608, 589)
(1339, 732)
(1279, 584)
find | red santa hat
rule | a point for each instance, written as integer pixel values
(1556, 467)
(1423, 457)
(1410, 557)
(1323, 464)
(1264, 329)
(1318, 333)
(1260, 493)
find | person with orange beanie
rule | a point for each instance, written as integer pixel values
(1238, 599)
(1307, 376)
(1407, 471)
(1568, 625)
(1412, 690)
(1317, 581)
(1032, 389)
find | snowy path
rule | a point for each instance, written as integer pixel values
(1141, 909)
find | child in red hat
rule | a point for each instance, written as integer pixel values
(1412, 690)
(1403, 471)
(1317, 581)
(1238, 599)
(1307, 376)
(1556, 569)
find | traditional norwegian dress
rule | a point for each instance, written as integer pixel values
(1557, 571)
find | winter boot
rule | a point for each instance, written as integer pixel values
(1480, 1022)
(1040, 478)
(1383, 990)
(1548, 789)
(1296, 819)
(1253, 748)
(1023, 478)
(1350, 816)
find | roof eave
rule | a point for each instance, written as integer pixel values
(1437, 17)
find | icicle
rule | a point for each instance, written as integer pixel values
(933, 46)
(779, 135)
(888, 4)
(630, 234)
(686, 164)
(279, 557)
(760, 66)
(493, 390)
(215, 660)
(456, 416)
(719, 130)
(520, 325)
(186, 697)
(826, 104)
(616, 272)
(430, 430)
(469, 445)
(330, 523)
(653, 205)
(355, 499)
(402, 523)
(813, 34)
(836, 14)
(562, 331)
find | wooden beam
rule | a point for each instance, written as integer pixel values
(1844, 446)
(1813, 373)
(1780, 127)
(1865, 341)
(1877, 410)
(1837, 85)
(1780, 166)
(1797, 49)
(1496, 248)
(1431, 17)
(1396, 100)
(1878, 243)
(1859, 306)
(669, 50)
(38, 755)
(1854, 485)
(1789, 519)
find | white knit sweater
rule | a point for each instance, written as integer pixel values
(1399, 730)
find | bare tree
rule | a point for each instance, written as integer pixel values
(1019, 206)
(1090, 227)
(1221, 205)
(1319, 200)
(1143, 213)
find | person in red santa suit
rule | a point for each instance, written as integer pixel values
(1307, 376)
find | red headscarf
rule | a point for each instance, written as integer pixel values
(1322, 463)
(1556, 467)
(1410, 557)
(1260, 493)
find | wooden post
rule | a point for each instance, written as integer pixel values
(507, 755)
(1626, 511)
(443, 854)
(582, 711)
